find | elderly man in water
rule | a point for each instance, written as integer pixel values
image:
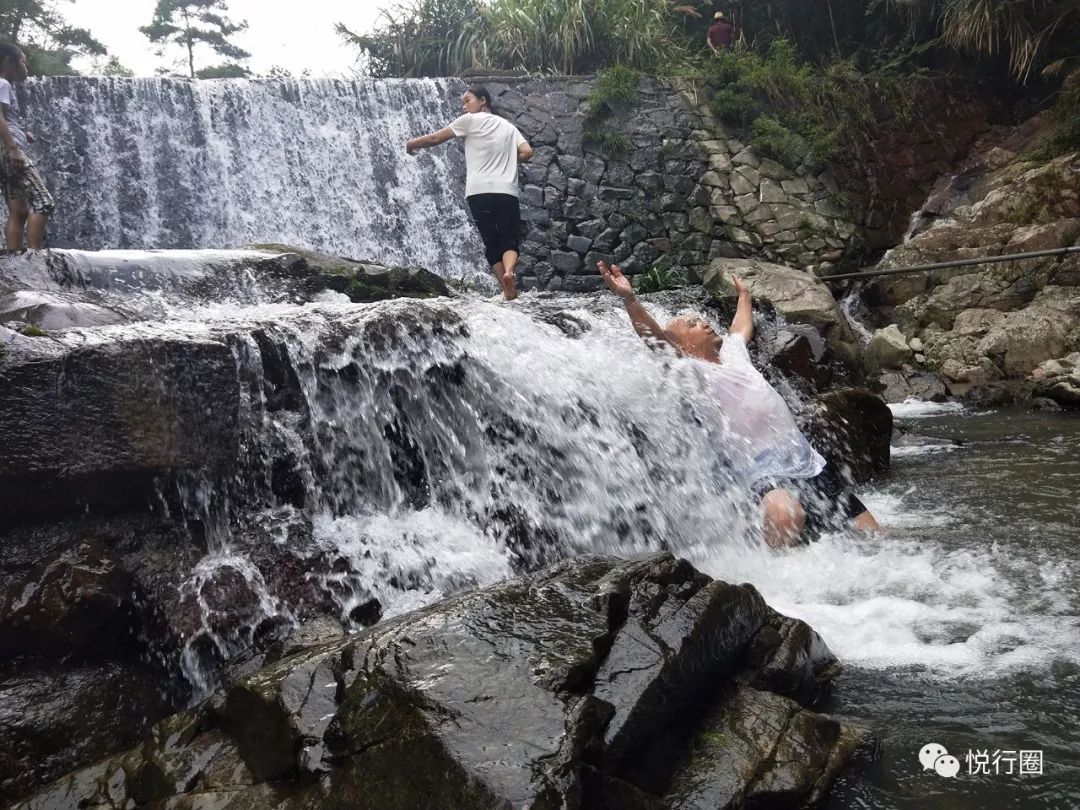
(798, 490)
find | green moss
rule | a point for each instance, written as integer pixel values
(613, 86)
(772, 139)
(333, 265)
(658, 279)
(616, 85)
(30, 330)
(360, 291)
(1037, 201)
(612, 142)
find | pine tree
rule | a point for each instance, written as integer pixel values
(195, 22)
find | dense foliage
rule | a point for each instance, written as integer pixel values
(446, 37)
(40, 29)
(792, 109)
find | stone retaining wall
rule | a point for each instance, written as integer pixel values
(686, 190)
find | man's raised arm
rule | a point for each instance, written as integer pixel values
(743, 322)
(644, 323)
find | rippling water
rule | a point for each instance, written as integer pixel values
(961, 625)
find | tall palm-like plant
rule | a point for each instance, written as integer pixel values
(1034, 33)
(440, 37)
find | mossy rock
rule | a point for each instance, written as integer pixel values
(362, 282)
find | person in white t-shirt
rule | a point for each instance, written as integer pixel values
(797, 488)
(493, 148)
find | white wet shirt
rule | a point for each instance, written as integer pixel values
(491, 145)
(767, 442)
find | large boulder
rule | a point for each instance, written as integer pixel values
(362, 282)
(60, 289)
(853, 430)
(94, 423)
(1059, 380)
(888, 349)
(594, 683)
(910, 383)
(796, 294)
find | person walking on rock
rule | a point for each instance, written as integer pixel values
(28, 200)
(493, 148)
(721, 35)
(797, 488)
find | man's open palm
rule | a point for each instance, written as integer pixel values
(615, 280)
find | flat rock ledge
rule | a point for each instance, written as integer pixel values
(595, 683)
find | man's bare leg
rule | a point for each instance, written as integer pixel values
(13, 230)
(35, 230)
(783, 518)
(866, 522)
(509, 284)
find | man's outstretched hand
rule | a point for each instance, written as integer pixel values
(740, 285)
(615, 280)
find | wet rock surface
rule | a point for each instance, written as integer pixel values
(984, 329)
(1059, 380)
(594, 683)
(796, 294)
(853, 429)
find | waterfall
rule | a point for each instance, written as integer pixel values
(393, 453)
(320, 163)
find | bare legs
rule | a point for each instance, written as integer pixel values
(13, 230)
(18, 218)
(784, 519)
(504, 274)
(35, 230)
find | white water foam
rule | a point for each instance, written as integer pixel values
(912, 450)
(410, 559)
(912, 408)
(892, 601)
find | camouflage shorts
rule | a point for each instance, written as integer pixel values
(25, 183)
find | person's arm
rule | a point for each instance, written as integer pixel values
(429, 140)
(709, 42)
(524, 152)
(743, 322)
(644, 323)
(15, 154)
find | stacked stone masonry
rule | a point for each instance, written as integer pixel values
(684, 192)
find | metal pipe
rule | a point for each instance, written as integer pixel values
(919, 268)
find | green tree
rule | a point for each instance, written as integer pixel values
(114, 67)
(226, 70)
(189, 23)
(45, 36)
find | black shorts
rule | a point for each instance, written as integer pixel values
(498, 216)
(828, 499)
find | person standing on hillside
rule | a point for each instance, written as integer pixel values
(721, 34)
(493, 148)
(28, 200)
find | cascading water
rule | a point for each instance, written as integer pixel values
(321, 163)
(392, 453)
(409, 449)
